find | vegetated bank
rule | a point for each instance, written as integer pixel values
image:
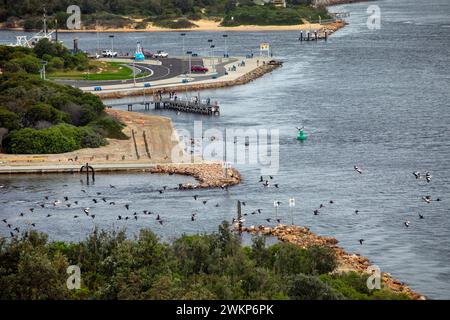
(172, 14)
(39, 117)
(209, 266)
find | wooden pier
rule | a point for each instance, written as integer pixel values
(205, 107)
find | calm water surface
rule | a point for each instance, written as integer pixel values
(378, 99)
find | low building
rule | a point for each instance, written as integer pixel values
(279, 3)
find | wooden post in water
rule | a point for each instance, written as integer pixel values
(239, 216)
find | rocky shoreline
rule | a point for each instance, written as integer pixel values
(304, 238)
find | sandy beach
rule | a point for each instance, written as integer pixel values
(209, 25)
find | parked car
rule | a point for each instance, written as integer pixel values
(148, 54)
(200, 69)
(109, 53)
(161, 54)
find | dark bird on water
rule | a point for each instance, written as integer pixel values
(259, 210)
(271, 177)
(46, 197)
(416, 174)
(127, 206)
(164, 187)
(279, 220)
(205, 201)
(4, 220)
(160, 191)
(16, 229)
(276, 185)
(95, 200)
(268, 219)
(158, 217)
(93, 216)
(193, 217)
(21, 214)
(261, 179)
(9, 226)
(357, 169)
(331, 201)
(421, 216)
(243, 203)
(42, 205)
(195, 197)
(68, 205)
(66, 198)
(104, 199)
(49, 215)
(407, 223)
(160, 222)
(356, 211)
(83, 191)
(12, 234)
(99, 193)
(119, 217)
(217, 205)
(75, 216)
(361, 241)
(31, 209)
(112, 203)
(33, 224)
(316, 212)
(111, 186)
(135, 217)
(76, 202)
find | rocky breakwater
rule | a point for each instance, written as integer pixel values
(304, 238)
(208, 175)
(245, 78)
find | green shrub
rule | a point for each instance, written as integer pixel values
(109, 127)
(8, 119)
(175, 24)
(29, 64)
(57, 139)
(304, 287)
(44, 112)
(90, 139)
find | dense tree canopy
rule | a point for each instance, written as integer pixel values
(213, 266)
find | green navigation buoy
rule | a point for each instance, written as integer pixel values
(301, 136)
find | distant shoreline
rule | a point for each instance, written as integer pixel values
(203, 25)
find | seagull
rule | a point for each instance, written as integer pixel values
(56, 202)
(266, 183)
(407, 223)
(427, 199)
(86, 210)
(357, 169)
(421, 216)
(428, 177)
(416, 174)
(127, 206)
(193, 217)
(361, 241)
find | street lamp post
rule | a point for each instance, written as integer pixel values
(189, 53)
(212, 58)
(183, 35)
(134, 73)
(112, 42)
(210, 51)
(225, 36)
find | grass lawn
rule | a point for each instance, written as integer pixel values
(100, 70)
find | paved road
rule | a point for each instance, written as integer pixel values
(169, 68)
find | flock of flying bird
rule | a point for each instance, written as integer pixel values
(99, 199)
